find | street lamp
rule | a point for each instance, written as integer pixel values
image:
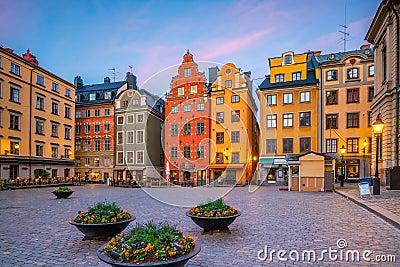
(378, 129)
(364, 147)
(342, 151)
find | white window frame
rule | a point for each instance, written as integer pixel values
(137, 137)
(128, 117)
(181, 91)
(118, 118)
(138, 116)
(288, 98)
(122, 134)
(305, 97)
(127, 159)
(127, 137)
(137, 157)
(193, 89)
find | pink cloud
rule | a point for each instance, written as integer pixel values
(220, 48)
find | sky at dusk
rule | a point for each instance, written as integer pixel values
(88, 38)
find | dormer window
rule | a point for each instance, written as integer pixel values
(107, 95)
(187, 72)
(288, 59)
(92, 96)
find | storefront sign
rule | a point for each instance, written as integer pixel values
(364, 189)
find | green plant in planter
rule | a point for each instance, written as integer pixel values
(62, 189)
(215, 208)
(102, 213)
(150, 242)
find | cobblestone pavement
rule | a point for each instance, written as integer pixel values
(35, 230)
(388, 199)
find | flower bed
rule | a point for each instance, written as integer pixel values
(102, 213)
(149, 242)
(215, 208)
(62, 189)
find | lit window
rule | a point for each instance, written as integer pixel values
(193, 89)
(129, 157)
(181, 91)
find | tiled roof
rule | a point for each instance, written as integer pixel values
(83, 92)
(310, 80)
(336, 57)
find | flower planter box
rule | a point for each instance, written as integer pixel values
(181, 261)
(101, 231)
(213, 223)
(62, 194)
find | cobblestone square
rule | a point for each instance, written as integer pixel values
(35, 230)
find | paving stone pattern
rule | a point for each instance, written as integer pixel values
(34, 228)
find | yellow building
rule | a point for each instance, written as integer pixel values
(289, 113)
(347, 83)
(37, 114)
(234, 130)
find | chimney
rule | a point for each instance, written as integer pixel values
(212, 74)
(107, 80)
(78, 81)
(131, 80)
(365, 46)
(30, 58)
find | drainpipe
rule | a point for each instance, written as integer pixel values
(30, 122)
(397, 82)
(322, 113)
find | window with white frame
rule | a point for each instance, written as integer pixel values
(140, 118)
(40, 79)
(139, 157)
(96, 162)
(220, 117)
(87, 129)
(174, 109)
(40, 126)
(271, 100)
(39, 150)
(107, 145)
(97, 128)
(16, 69)
(331, 145)
(181, 91)
(92, 96)
(67, 111)
(288, 120)
(78, 145)
(235, 157)
(200, 106)
(235, 99)
(193, 89)
(106, 127)
(55, 107)
(174, 152)
(67, 132)
(288, 98)
(139, 137)
(120, 157)
(200, 152)
(96, 145)
(288, 59)
(54, 151)
(228, 84)
(1, 88)
(129, 119)
(271, 120)
(296, 76)
(15, 121)
(235, 137)
(220, 100)
(120, 138)
(54, 86)
(54, 129)
(86, 145)
(107, 162)
(129, 137)
(97, 112)
(187, 72)
(106, 112)
(279, 78)
(67, 92)
(14, 94)
(304, 97)
(174, 130)
(78, 114)
(87, 162)
(40, 102)
(107, 95)
(129, 157)
(187, 108)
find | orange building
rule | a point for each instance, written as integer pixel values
(187, 126)
(347, 82)
(234, 130)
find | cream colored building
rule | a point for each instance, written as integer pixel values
(384, 35)
(37, 114)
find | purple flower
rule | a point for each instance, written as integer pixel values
(176, 245)
(142, 244)
(124, 246)
(134, 245)
(176, 237)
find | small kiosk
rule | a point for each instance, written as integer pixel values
(307, 172)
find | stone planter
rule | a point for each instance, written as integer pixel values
(181, 261)
(213, 223)
(101, 231)
(62, 194)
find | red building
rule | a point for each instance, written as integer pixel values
(94, 129)
(187, 126)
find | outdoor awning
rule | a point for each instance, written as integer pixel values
(266, 161)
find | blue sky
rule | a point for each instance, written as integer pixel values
(88, 38)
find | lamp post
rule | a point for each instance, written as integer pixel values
(342, 151)
(378, 129)
(364, 147)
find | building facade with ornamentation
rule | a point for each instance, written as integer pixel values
(138, 150)
(234, 129)
(289, 113)
(187, 126)
(347, 86)
(95, 129)
(384, 34)
(37, 113)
